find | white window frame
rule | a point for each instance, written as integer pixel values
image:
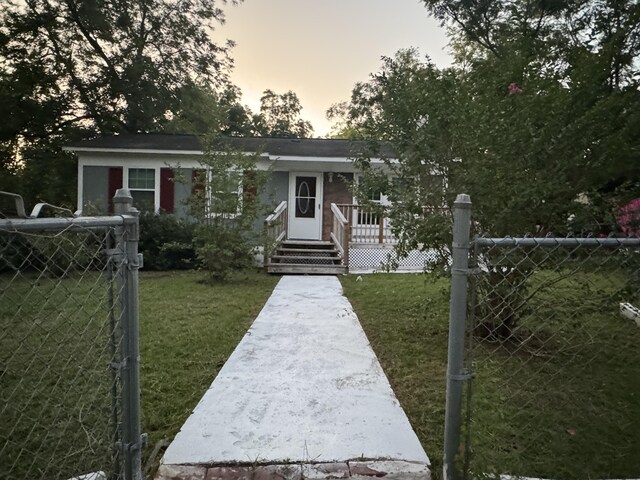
(384, 199)
(240, 193)
(156, 188)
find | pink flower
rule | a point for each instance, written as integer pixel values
(514, 88)
(629, 218)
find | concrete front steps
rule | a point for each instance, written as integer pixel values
(306, 257)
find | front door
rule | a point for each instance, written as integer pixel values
(305, 206)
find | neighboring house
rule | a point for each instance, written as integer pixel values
(317, 226)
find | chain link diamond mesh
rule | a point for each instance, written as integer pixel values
(60, 352)
(556, 390)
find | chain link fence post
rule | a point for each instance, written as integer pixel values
(127, 238)
(457, 318)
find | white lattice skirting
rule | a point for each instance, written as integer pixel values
(373, 258)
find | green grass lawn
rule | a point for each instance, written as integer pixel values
(55, 380)
(570, 410)
(188, 330)
(567, 406)
(405, 319)
(55, 355)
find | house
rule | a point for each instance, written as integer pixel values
(316, 224)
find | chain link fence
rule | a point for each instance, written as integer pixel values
(69, 394)
(544, 370)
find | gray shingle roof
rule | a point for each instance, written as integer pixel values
(304, 147)
(141, 141)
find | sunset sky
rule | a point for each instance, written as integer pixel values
(321, 48)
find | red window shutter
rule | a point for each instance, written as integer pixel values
(115, 182)
(166, 190)
(249, 188)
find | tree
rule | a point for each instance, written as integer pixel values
(205, 111)
(585, 51)
(538, 112)
(531, 115)
(118, 64)
(70, 69)
(226, 205)
(343, 127)
(280, 116)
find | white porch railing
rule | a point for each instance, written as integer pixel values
(365, 236)
(276, 226)
(369, 225)
(340, 233)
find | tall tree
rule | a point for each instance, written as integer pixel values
(205, 111)
(538, 113)
(118, 64)
(221, 112)
(72, 68)
(539, 107)
(280, 116)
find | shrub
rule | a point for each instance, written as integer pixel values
(166, 242)
(227, 204)
(223, 248)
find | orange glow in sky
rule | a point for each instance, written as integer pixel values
(321, 48)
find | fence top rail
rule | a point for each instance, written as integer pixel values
(557, 241)
(77, 223)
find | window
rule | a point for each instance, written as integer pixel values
(370, 215)
(305, 197)
(142, 184)
(374, 194)
(226, 194)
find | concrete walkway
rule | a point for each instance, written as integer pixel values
(302, 396)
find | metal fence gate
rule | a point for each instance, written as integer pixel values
(544, 372)
(69, 372)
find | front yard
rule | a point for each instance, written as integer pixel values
(189, 329)
(560, 416)
(569, 410)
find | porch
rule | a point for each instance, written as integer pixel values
(359, 239)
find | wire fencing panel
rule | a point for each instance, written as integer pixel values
(556, 368)
(62, 348)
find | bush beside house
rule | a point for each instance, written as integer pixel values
(167, 242)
